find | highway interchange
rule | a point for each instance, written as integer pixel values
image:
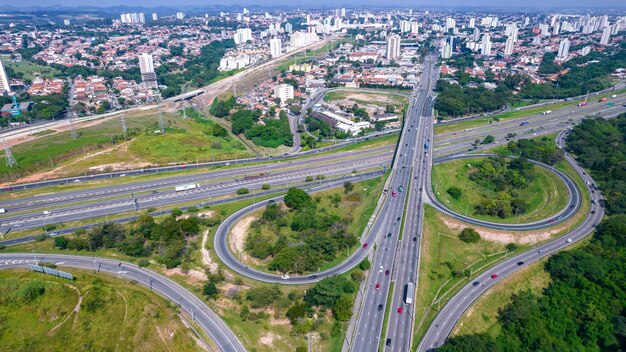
(411, 169)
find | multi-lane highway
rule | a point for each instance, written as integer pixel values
(212, 325)
(448, 316)
(392, 243)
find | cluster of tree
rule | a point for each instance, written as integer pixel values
(358, 112)
(505, 178)
(200, 70)
(166, 240)
(272, 133)
(541, 149)
(455, 100)
(600, 147)
(313, 124)
(469, 235)
(590, 77)
(316, 237)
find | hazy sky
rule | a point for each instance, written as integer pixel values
(326, 3)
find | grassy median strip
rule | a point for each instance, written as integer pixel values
(388, 310)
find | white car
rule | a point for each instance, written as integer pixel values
(380, 270)
(285, 277)
(569, 240)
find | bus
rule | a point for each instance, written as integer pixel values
(409, 293)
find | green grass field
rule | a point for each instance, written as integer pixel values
(94, 312)
(102, 147)
(366, 97)
(31, 70)
(546, 195)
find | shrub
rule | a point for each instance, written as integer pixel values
(243, 191)
(308, 179)
(455, 192)
(266, 186)
(469, 235)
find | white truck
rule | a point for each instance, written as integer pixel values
(187, 187)
(547, 112)
(2, 211)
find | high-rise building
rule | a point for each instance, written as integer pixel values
(284, 92)
(472, 22)
(245, 11)
(563, 49)
(343, 12)
(4, 80)
(243, 35)
(155, 17)
(585, 51)
(508, 46)
(606, 36)
(405, 26)
(275, 47)
(146, 67)
(485, 48)
(180, 15)
(393, 47)
(133, 18)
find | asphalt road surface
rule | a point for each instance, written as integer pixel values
(214, 327)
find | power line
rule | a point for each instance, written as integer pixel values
(8, 156)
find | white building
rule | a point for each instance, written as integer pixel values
(146, 66)
(393, 47)
(155, 17)
(243, 35)
(284, 92)
(299, 38)
(508, 46)
(275, 47)
(180, 15)
(606, 36)
(563, 49)
(485, 48)
(4, 80)
(128, 18)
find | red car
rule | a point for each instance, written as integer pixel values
(364, 245)
(493, 276)
(378, 286)
(393, 194)
(399, 310)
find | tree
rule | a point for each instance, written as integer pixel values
(455, 192)
(297, 198)
(469, 235)
(348, 187)
(343, 308)
(263, 296)
(488, 139)
(265, 186)
(210, 290)
(365, 264)
(242, 191)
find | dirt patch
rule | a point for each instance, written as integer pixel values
(237, 237)
(504, 237)
(206, 256)
(193, 276)
(206, 214)
(268, 339)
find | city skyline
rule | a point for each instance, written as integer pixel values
(323, 4)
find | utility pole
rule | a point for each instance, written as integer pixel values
(73, 132)
(124, 125)
(10, 159)
(184, 113)
(161, 123)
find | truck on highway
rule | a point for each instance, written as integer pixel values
(409, 293)
(546, 112)
(583, 103)
(187, 187)
(2, 211)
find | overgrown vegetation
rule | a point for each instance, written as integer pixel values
(455, 100)
(541, 149)
(505, 178)
(308, 235)
(165, 241)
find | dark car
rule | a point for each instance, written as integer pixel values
(312, 277)
(388, 343)
(398, 218)
(389, 235)
(475, 283)
(414, 239)
(387, 272)
(380, 307)
(520, 263)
